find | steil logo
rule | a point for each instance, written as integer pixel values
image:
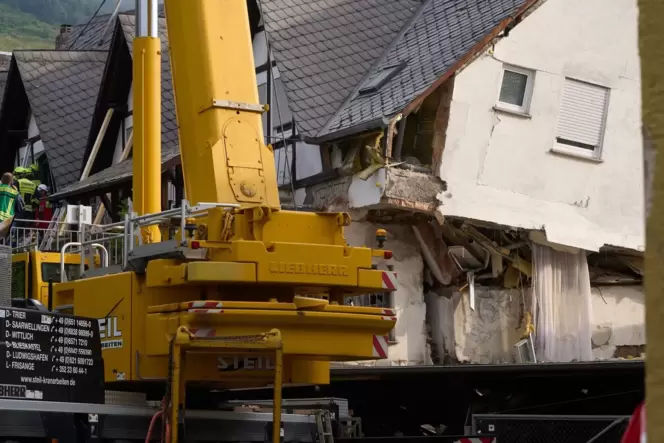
(108, 328)
(247, 363)
(110, 333)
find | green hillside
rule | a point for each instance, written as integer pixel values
(33, 24)
(19, 30)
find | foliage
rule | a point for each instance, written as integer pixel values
(57, 12)
(34, 24)
(19, 30)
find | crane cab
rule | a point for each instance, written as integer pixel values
(32, 271)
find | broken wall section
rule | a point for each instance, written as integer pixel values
(410, 346)
(488, 334)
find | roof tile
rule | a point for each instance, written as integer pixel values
(313, 40)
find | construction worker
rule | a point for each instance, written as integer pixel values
(8, 202)
(44, 208)
(26, 189)
(34, 174)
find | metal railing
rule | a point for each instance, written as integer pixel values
(130, 230)
(30, 235)
(97, 246)
(116, 241)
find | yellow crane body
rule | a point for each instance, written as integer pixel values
(146, 196)
(239, 277)
(224, 158)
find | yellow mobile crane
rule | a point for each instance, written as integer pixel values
(239, 276)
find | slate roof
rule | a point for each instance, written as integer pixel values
(5, 59)
(86, 36)
(321, 46)
(445, 32)
(3, 82)
(114, 175)
(169, 134)
(324, 48)
(62, 88)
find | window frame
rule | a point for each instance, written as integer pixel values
(524, 109)
(577, 151)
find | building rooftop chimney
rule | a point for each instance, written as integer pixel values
(63, 37)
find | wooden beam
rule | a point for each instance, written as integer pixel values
(97, 145)
(124, 156)
(651, 49)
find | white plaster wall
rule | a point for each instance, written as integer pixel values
(410, 332)
(488, 334)
(618, 319)
(503, 161)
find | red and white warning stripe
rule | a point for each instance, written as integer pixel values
(389, 312)
(476, 440)
(389, 280)
(203, 332)
(204, 304)
(205, 311)
(380, 346)
(392, 318)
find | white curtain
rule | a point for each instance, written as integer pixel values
(562, 309)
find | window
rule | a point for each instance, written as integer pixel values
(581, 119)
(380, 78)
(515, 90)
(52, 271)
(18, 279)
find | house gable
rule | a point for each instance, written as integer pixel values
(62, 88)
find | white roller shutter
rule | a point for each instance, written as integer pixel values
(582, 114)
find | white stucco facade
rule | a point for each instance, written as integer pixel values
(410, 338)
(499, 166)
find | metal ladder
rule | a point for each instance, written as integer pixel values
(324, 426)
(53, 228)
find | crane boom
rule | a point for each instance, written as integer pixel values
(147, 114)
(224, 158)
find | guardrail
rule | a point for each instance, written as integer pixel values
(29, 235)
(130, 236)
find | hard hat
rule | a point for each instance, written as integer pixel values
(20, 170)
(42, 187)
(34, 167)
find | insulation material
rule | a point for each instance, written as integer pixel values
(486, 335)
(561, 284)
